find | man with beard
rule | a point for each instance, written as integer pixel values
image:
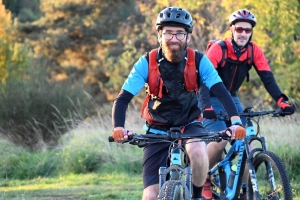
(233, 73)
(175, 104)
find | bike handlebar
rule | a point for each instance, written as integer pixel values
(275, 113)
(251, 114)
(143, 139)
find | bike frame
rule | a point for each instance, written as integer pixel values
(242, 149)
(175, 170)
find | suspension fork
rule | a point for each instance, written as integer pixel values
(250, 159)
(267, 164)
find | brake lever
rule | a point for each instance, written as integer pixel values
(278, 113)
(137, 142)
(125, 141)
(224, 136)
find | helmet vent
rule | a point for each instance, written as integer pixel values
(242, 16)
(244, 13)
(175, 16)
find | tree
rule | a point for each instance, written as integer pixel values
(277, 33)
(10, 53)
(78, 38)
(97, 42)
(24, 10)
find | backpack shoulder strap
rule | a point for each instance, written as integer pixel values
(191, 71)
(154, 83)
(198, 59)
(154, 76)
(224, 52)
(191, 56)
(250, 54)
(250, 62)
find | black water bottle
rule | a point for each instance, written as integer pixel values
(231, 176)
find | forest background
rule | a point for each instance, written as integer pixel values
(62, 63)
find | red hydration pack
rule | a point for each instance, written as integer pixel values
(224, 51)
(155, 83)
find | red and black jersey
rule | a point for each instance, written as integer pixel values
(235, 70)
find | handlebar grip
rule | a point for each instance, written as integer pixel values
(111, 139)
(224, 136)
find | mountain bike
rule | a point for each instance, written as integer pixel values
(267, 176)
(175, 181)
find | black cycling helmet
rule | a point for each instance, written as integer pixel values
(242, 16)
(174, 16)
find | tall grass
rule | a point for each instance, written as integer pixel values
(283, 137)
(33, 110)
(85, 149)
(87, 145)
(19, 163)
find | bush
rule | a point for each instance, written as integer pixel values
(83, 149)
(35, 111)
(86, 149)
(19, 163)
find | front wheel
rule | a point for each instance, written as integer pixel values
(173, 190)
(272, 179)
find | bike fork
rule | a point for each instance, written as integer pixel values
(250, 155)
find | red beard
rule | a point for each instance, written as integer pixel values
(174, 55)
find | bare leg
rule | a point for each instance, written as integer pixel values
(215, 152)
(151, 192)
(199, 162)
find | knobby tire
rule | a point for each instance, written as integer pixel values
(172, 191)
(283, 187)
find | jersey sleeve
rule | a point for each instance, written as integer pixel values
(137, 78)
(208, 74)
(259, 60)
(263, 69)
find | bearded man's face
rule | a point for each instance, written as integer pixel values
(173, 42)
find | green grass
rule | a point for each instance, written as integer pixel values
(88, 186)
(121, 186)
(84, 165)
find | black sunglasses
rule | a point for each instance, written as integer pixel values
(241, 29)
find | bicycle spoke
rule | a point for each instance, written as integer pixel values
(272, 179)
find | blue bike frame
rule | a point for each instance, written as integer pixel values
(175, 170)
(238, 148)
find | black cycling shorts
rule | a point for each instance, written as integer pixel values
(156, 156)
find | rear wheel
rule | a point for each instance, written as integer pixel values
(272, 179)
(173, 190)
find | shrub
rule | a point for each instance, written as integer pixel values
(35, 111)
(19, 163)
(86, 149)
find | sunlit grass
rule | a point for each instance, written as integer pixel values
(86, 186)
(84, 165)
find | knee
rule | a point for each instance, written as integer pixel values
(150, 192)
(197, 152)
(150, 196)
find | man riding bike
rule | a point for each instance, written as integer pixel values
(173, 73)
(233, 73)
